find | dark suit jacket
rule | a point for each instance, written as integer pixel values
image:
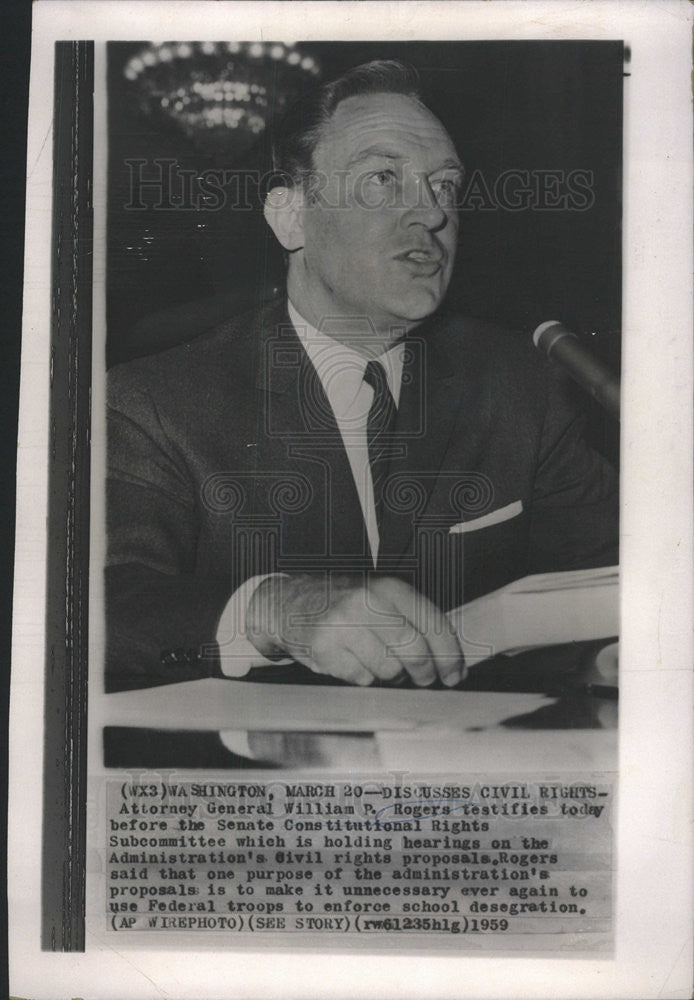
(225, 461)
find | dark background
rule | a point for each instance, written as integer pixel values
(14, 56)
(172, 273)
(521, 105)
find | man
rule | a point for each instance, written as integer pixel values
(323, 479)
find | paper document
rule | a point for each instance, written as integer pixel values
(213, 703)
(540, 610)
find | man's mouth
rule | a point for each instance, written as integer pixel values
(421, 262)
(420, 256)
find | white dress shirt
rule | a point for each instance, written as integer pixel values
(340, 368)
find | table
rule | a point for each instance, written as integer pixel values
(526, 712)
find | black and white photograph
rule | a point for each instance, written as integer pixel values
(325, 438)
(336, 504)
(347, 431)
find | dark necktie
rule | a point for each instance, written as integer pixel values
(379, 426)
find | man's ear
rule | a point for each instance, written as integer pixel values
(284, 215)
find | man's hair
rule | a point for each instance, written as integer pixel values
(300, 129)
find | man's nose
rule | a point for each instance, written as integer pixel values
(424, 209)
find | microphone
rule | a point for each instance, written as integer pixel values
(561, 345)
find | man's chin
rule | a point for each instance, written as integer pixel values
(412, 311)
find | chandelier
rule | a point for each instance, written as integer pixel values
(222, 95)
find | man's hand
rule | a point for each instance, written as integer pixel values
(355, 629)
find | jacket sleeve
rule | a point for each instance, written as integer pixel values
(575, 507)
(161, 620)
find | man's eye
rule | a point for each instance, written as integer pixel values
(446, 189)
(383, 177)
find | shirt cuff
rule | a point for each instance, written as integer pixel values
(236, 740)
(237, 654)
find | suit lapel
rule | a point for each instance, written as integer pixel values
(435, 389)
(302, 435)
(442, 390)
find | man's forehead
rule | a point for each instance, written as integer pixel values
(399, 121)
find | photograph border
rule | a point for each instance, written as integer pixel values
(67, 620)
(675, 628)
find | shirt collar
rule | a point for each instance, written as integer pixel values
(340, 367)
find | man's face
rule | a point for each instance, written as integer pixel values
(379, 235)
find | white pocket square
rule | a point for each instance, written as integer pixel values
(487, 520)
